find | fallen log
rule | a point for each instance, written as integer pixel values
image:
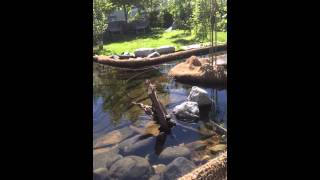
(215, 169)
(135, 63)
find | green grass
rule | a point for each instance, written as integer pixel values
(157, 37)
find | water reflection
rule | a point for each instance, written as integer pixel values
(114, 91)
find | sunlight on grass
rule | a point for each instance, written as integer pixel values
(177, 38)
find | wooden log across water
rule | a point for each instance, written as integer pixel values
(135, 63)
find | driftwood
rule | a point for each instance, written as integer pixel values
(157, 109)
(134, 63)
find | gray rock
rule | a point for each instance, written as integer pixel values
(177, 168)
(131, 168)
(100, 174)
(155, 177)
(140, 147)
(112, 159)
(166, 49)
(158, 169)
(187, 111)
(171, 153)
(143, 52)
(154, 54)
(128, 142)
(115, 57)
(104, 159)
(200, 96)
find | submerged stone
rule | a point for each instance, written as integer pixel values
(171, 153)
(177, 168)
(100, 174)
(131, 168)
(114, 137)
(216, 148)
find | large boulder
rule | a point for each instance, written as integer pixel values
(166, 49)
(143, 52)
(171, 153)
(100, 174)
(187, 111)
(177, 168)
(131, 167)
(200, 96)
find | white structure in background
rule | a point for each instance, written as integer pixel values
(118, 15)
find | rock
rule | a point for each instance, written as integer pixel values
(188, 111)
(166, 49)
(155, 177)
(154, 54)
(224, 139)
(131, 167)
(115, 57)
(100, 160)
(160, 168)
(197, 145)
(128, 142)
(200, 96)
(114, 137)
(140, 147)
(143, 52)
(171, 153)
(216, 148)
(112, 159)
(100, 174)
(177, 168)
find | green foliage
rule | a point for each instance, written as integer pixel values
(101, 9)
(182, 13)
(167, 18)
(125, 5)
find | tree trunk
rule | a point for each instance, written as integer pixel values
(125, 13)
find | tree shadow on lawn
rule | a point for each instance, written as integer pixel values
(185, 42)
(180, 36)
(130, 36)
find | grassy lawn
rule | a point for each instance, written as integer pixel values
(157, 37)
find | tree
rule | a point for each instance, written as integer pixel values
(101, 9)
(125, 5)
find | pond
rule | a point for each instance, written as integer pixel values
(119, 126)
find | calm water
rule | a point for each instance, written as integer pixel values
(114, 90)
